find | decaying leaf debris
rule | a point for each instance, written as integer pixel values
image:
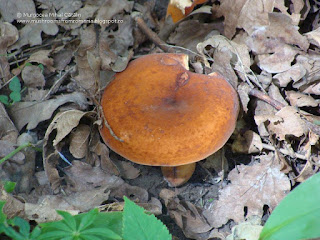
(268, 50)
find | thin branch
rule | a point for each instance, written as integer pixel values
(152, 35)
(57, 84)
(264, 97)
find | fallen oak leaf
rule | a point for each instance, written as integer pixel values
(251, 186)
(32, 113)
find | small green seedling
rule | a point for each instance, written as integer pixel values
(9, 186)
(15, 95)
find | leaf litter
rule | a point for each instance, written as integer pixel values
(269, 52)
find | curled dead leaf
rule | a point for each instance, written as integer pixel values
(79, 140)
(187, 216)
(32, 113)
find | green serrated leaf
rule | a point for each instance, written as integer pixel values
(111, 220)
(298, 214)
(9, 186)
(68, 219)
(4, 99)
(24, 226)
(90, 237)
(15, 84)
(101, 232)
(56, 226)
(35, 233)
(28, 64)
(138, 225)
(52, 235)
(87, 219)
(10, 232)
(15, 96)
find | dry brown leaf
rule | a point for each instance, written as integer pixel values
(260, 44)
(250, 142)
(110, 8)
(116, 46)
(62, 58)
(42, 56)
(298, 99)
(9, 35)
(187, 216)
(35, 95)
(83, 177)
(244, 14)
(10, 9)
(32, 76)
(294, 10)
(314, 37)
(220, 42)
(262, 111)
(243, 91)
(88, 63)
(31, 33)
(216, 161)
(311, 62)
(13, 206)
(127, 170)
(264, 79)
(222, 65)
(287, 122)
(45, 210)
(294, 73)
(307, 171)
(279, 61)
(8, 131)
(251, 186)
(248, 230)
(98, 148)
(61, 126)
(227, 54)
(79, 139)
(282, 27)
(64, 123)
(7, 147)
(61, 6)
(83, 13)
(274, 93)
(189, 33)
(32, 113)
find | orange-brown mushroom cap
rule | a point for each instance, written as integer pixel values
(166, 115)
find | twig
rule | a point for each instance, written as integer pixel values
(14, 152)
(264, 97)
(284, 151)
(152, 35)
(278, 105)
(57, 84)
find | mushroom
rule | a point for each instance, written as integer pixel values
(180, 9)
(158, 113)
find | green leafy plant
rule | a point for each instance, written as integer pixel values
(9, 186)
(15, 95)
(298, 214)
(24, 233)
(139, 226)
(133, 223)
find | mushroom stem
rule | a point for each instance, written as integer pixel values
(178, 175)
